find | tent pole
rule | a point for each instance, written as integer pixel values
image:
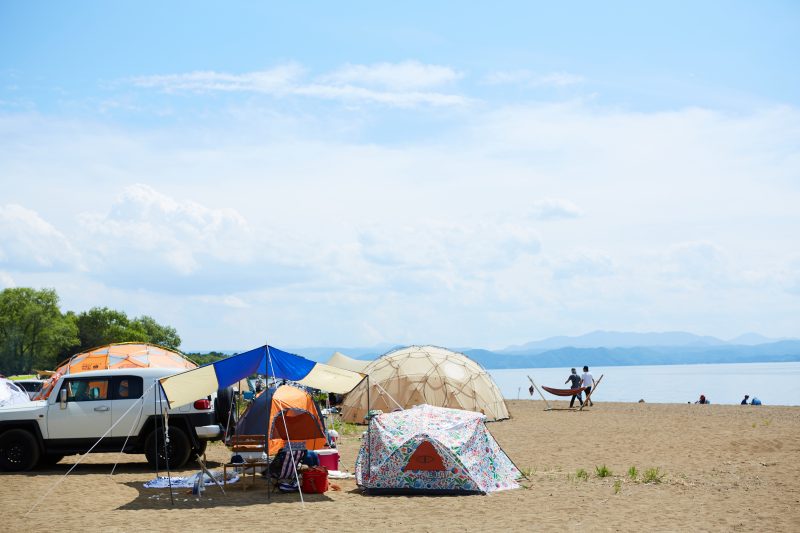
(267, 407)
(155, 409)
(369, 434)
(166, 446)
(540, 394)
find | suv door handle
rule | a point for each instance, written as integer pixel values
(101, 408)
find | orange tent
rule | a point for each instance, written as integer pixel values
(119, 355)
(293, 416)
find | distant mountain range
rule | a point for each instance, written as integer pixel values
(606, 348)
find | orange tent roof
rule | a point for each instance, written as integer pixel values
(125, 355)
(119, 355)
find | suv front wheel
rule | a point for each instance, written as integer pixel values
(178, 448)
(18, 450)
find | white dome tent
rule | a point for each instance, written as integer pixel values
(418, 375)
(12, 394)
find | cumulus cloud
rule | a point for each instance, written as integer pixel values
(553, 208)
(150, 240)
(446, 254)
(583, 264)
(28, 242)
(528, 78)
(698, 262)
(403, 84)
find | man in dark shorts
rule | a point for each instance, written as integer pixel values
(588, 382)
(576, 384)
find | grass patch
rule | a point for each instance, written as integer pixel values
(528, 472)
(633, 473)
(348, 428)
(602, 471)
(617, 486)
(581, 474)
(653, 475)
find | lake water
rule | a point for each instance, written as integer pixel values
(772, 383)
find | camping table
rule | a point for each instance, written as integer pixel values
(252, 465)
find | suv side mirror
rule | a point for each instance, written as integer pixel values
(63, 398)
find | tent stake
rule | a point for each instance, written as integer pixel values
(540, 394)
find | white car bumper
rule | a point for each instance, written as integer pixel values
(208, 432)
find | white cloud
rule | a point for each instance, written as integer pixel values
(403, 76)
(28, 242)
(393, 84)
(6, 281)
(553, 208)
(528, 78)
(468, 247)
(143, 224)
(338, 234)
(585, 264)
(277, 80)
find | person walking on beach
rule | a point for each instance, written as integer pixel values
(588, 382)
(576, 384)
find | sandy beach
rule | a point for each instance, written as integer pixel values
(725, 468)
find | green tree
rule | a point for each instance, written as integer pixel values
(33, 332)
(165, 336)
(101, 325)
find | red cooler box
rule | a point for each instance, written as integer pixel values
(329, 458)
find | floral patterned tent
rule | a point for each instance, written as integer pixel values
(435, 450)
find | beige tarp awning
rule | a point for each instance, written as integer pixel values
(340, 360)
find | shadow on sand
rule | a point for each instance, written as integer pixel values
(236, 495)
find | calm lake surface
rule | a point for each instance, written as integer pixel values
(772, 383)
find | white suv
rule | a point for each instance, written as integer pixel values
(83, 407)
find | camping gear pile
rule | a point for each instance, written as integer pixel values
(433, 450)
(425, 375)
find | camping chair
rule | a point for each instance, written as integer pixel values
(283, 467)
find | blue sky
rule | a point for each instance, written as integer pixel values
(356, 174)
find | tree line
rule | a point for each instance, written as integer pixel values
(36, 335)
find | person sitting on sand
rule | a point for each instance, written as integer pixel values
(703, 399)
(744, 402)
(576, 384)
(588, 382)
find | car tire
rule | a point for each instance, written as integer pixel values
(179, 448)
(50, 459)
(19, 450)
(222, 408)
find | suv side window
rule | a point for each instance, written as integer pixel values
(126, 387)
(86, 389)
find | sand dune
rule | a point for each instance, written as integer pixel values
(725, 468)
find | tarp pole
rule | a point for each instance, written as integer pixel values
(288, 438)
(369, 433)
(166, 444)
(265, 390)
(540, 394)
